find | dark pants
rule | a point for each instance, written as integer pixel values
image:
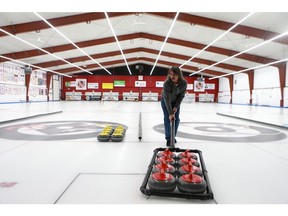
(167, 120)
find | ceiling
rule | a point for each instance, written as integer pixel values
(141, 36)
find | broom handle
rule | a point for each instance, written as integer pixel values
(172, 132)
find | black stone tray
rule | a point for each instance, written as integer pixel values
(206, 195)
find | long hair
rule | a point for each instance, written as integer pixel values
(177, 71)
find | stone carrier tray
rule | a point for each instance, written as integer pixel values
(206, 195)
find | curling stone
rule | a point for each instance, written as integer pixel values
(104, 136)
(186, 154)
(117, 137)
(161, 181)
(168, 160)
(167, 153)
(185, 161)
(108, 130)
(119, 131)
(189, 168)
(120, 128)
(165, 166)
(191, 183)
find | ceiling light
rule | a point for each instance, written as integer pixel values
(107, 17)
(167, 36)
(26, 42)
(222, 35)
(252, 68)
(48, 23)
(249, 49)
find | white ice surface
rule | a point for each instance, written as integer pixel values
(239, 172)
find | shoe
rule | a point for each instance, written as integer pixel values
(168, 142)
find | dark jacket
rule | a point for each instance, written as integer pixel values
(173, 94)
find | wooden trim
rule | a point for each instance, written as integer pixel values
(251, 83)
(231, 85)
(193, 45)
(282, 79)
(134, 50)
(223, 25)
(183, 17)
(73, 69)
(48, 82)
(58, 22)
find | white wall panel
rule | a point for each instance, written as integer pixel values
(240, 81)
(285, 97)
(268, 97)
(224, 84)
(56, 89)
(286, 83)
(241, 97)
(12, 93)
(267, 77)
(224, 97)
(275, 97)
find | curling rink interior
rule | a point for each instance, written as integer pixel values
(57, 158)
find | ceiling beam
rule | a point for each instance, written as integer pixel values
(193, 45)
(90, 66)
(135, 50)
(109, 63)
(183, 17)
(222, 25)
(213, 49)
(67, 47)
(211, 72)
(58, 22)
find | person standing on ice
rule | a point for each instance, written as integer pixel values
(173, 92)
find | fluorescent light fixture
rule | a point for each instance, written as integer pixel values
(167, 36)
(48, 23)
(23, 63)
(107, 17)
(254, 47)
(222, 35)
(252, 68)
(26, 42)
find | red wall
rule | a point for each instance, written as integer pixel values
(130, 84)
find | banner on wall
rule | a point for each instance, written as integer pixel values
(70, 84)
(159, 84)
(107, 86)
(189, 86)
(11, 74)
(140, 83)
(93, 85)
(35, 91)
(12, 90)
(199, 86)
(38, 78)
(210, 86)
(81, 84)
(119, 83)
